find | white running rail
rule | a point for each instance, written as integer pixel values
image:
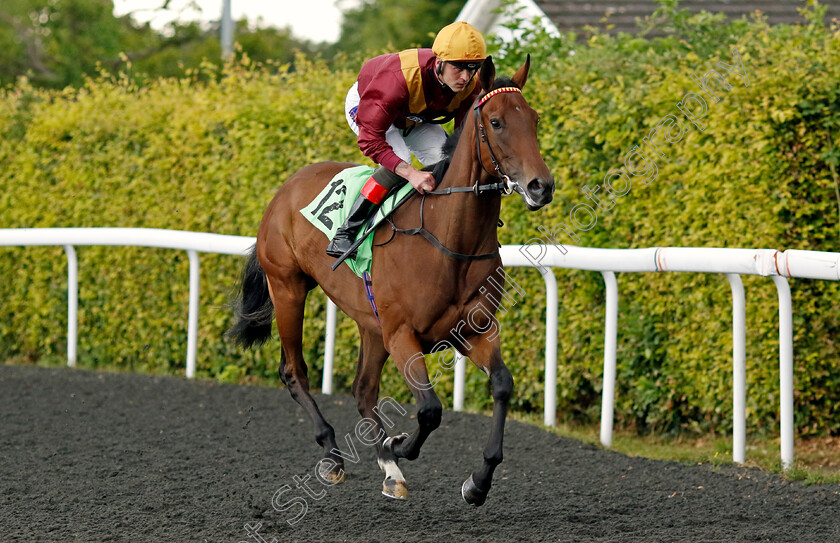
(731, 262)
(192, 242)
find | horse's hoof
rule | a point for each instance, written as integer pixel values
(394, 489)
(471, 494)
(390, 442)
(333, 476)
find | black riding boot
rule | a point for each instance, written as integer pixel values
(345, 236)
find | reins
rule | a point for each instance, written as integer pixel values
(436, 242)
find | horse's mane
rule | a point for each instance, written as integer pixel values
(448, 149)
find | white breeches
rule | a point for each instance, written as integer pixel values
(425, 141)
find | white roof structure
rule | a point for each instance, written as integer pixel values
(487, 17)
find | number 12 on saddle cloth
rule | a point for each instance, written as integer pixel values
(330, 208)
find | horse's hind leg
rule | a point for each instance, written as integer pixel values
(366, 390)
(289, 296)
(409, 359)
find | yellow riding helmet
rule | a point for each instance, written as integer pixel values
(459, 42)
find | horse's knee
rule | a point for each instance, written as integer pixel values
(502, 382)
(429, 413)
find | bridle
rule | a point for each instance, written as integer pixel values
(481, 135)
(506, 186)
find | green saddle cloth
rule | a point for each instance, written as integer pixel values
(330, 208)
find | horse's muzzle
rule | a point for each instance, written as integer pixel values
(539, 192)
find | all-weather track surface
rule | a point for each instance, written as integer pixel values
(88, 456)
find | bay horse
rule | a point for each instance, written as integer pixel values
(428, 294)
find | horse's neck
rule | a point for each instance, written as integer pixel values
(472, 219)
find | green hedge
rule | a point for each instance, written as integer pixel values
(761, 174)
(208, 151)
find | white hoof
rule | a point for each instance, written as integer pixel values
(394, 489)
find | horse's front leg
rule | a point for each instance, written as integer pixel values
(487, 356)
(409, 359)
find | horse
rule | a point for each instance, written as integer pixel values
(428, 295)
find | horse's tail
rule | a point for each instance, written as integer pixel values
(253, 308)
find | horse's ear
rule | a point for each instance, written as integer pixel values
(488, 74)
(521, 75)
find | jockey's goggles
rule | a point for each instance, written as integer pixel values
(466, 65)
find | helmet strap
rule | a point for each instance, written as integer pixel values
(439, 72)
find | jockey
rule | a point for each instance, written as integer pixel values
(395, 108)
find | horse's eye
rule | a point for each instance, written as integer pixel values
(495, 123)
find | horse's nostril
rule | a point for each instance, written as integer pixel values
(535, 187)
